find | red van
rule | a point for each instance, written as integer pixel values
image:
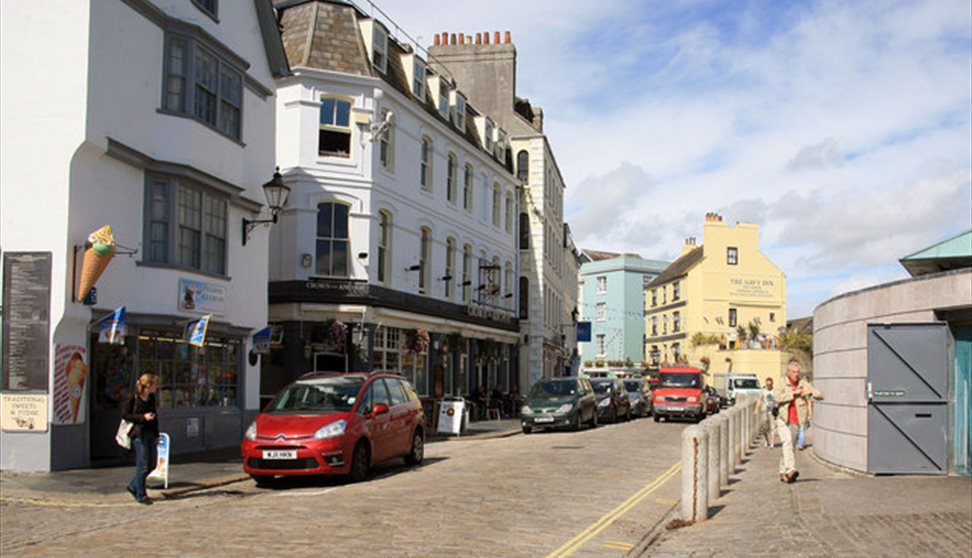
(679, 394)
(335, 423)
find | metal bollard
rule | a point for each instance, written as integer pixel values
(710, 427)
(695, 457)
(723, 421)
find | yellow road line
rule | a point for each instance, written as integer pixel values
(573, 544)
(665, 501)
(56, 504)
(618, 545)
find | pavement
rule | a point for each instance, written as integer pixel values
(105, 486)
(827, 512)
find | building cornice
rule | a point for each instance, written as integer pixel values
(665, 338)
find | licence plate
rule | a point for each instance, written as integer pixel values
(543, 419)
(280, 454)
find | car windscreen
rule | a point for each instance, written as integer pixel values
(332, 394)
(633, 385)
(555, 388)
(680, 380)
(602, 386)
(746, 383)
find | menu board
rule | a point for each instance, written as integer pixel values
(26, 320)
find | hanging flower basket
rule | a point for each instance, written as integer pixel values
(417, 341)
(332, 334)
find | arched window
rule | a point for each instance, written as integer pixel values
(524, 298)
(334, 137)
(425, 261)
(425, 177)
(332, 239)
(524, 231)
(523, 165)
(451, 178)
(450, 270)
(384, 247)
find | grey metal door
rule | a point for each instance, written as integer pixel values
(907, 390)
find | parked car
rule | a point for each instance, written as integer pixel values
(612, 399)
(711, 399)
(335, 423)
(731, 385)
(639, 396)
(559, 403)
(679, 394)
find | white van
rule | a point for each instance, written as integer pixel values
(730, 386)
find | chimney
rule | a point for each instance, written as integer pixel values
(445, 38)
(479, 38)
(689, 245)
(496, 37)
(506, 39)
(438, 40)
(486, 38)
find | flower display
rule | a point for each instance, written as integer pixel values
(417, 341)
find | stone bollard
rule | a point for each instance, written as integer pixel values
(739, 434)
(695, 457)
(723, 420)
(746, 413)
(710, 427)
(730, 453)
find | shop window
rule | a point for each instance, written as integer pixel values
(185, 225)
(332, 239)
(191, 376)
(334, 138)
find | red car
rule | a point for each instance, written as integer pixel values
(679, 394)
(335, 423)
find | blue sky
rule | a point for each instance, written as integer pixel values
(844, 129)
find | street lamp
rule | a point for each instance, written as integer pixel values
(276, 192)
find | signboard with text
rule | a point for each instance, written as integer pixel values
(205, 298)
(23, 411)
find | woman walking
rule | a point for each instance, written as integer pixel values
(144, 433)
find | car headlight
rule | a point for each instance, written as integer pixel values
(526, 410)
(332, 430)
(565, 408)
(692, 399)
(250, 433)
(604, 402)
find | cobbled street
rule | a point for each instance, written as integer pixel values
(588, 493)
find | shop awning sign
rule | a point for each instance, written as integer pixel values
(113, 328)
(262, 340)
(195, 333)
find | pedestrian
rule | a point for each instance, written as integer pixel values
(764, 411)
(141, 412)
(791, 401)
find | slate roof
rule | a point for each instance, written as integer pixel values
(679, 267)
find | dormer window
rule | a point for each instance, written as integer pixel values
(488, 132)
(418, 80)
(379, 48)
(444, 101)
(459, 111)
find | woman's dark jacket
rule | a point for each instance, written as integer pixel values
(135, 413)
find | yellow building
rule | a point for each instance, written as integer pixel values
(719, 306)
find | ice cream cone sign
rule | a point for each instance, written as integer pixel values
(77, 371)
(98, 252)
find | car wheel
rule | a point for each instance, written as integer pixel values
(576, 422)
(527, 430)
(657, 418)
(594, 418)
(417, 454)
(359, 463)
(262, 481)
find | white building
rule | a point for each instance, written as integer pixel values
(156, 118)
(402, 218)
(549, 261)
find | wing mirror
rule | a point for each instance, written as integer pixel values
(379, 409)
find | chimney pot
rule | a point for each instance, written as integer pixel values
(496, 37)
(479, 38)
(445, 38)
(486, 38)
(462, 39)
(437, 39)
(506, 38)
(452, 39)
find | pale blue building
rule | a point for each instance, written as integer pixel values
(612, 298)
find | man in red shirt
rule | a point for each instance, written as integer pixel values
(791, 400)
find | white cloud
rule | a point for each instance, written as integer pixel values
(843, 129)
